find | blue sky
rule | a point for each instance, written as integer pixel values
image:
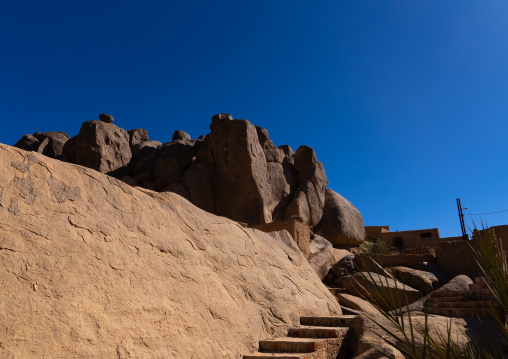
(404, 102)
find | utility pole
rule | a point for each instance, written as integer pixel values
(461, 218)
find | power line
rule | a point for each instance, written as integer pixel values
(479, 214)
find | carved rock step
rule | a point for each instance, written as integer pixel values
(318, 332)
(461, 293)
(483, 313)
(457, 299)
(293, 345)
(342, 321)
(478, 304)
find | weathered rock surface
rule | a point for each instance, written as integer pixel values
(242, 182)
(181, 135)
(321, 256)
(91, 267)
(342, 223)
(309, 199)
(236, 171)
(102, 146)
(370, 335)
(137, 135)
(354, 302)
(456, 284)
(425, 282)
(386, 292)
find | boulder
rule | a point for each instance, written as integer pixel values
(241, 177)
(29, 143)
(345, 266)
(289, 154)
(199, 182)
(425, 282)
(69, 150)
(102, 146)
(272, 153)
(145, 155)
(321, 256)
(338, 254)
(181, 135)
(106, 118)
(388, 293)
(137, 135)
(55, 143)
(173, 158)
(283, 185)
(357, 303)
(342, 223)
(456, 284)
(93, 268)
(309, 198)
(351, 263)
(441, 276)
(219, 118)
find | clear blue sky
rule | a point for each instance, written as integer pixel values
(405, 102)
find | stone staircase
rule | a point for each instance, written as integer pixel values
(477, 302)
(315, 338)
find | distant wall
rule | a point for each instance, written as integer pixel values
(456, 257)
(412, 239)
(375, 231)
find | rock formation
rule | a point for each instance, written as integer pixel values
(235, 171)
(92, 267)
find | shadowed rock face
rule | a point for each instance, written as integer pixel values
(342, 223)
(242, 182)
(92, 267)
(102, 146)
(236, 171)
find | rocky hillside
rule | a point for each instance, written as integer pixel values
(93, 268)
(235, 171)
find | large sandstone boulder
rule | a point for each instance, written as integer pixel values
(48, 143)
(425, 282)
(309, 199)
(321, 256)
(102, 146)
(368, 333)
(357, 303)
(241, 177)
(173, 158)
(342, 223)
(55, 143)
(91, 267)
(388, 293)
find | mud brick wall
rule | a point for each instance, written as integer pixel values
(456, 258)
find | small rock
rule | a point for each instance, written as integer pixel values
(106, 118)
(181, 135)
(220, 117)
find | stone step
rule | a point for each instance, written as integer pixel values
(281, 356)
(293, 345)
(457, 299)
(464, 304)
(318, 332)
(484, 313)
(338, 321)
(461, 293)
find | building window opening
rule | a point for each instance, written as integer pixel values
(426, 235)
